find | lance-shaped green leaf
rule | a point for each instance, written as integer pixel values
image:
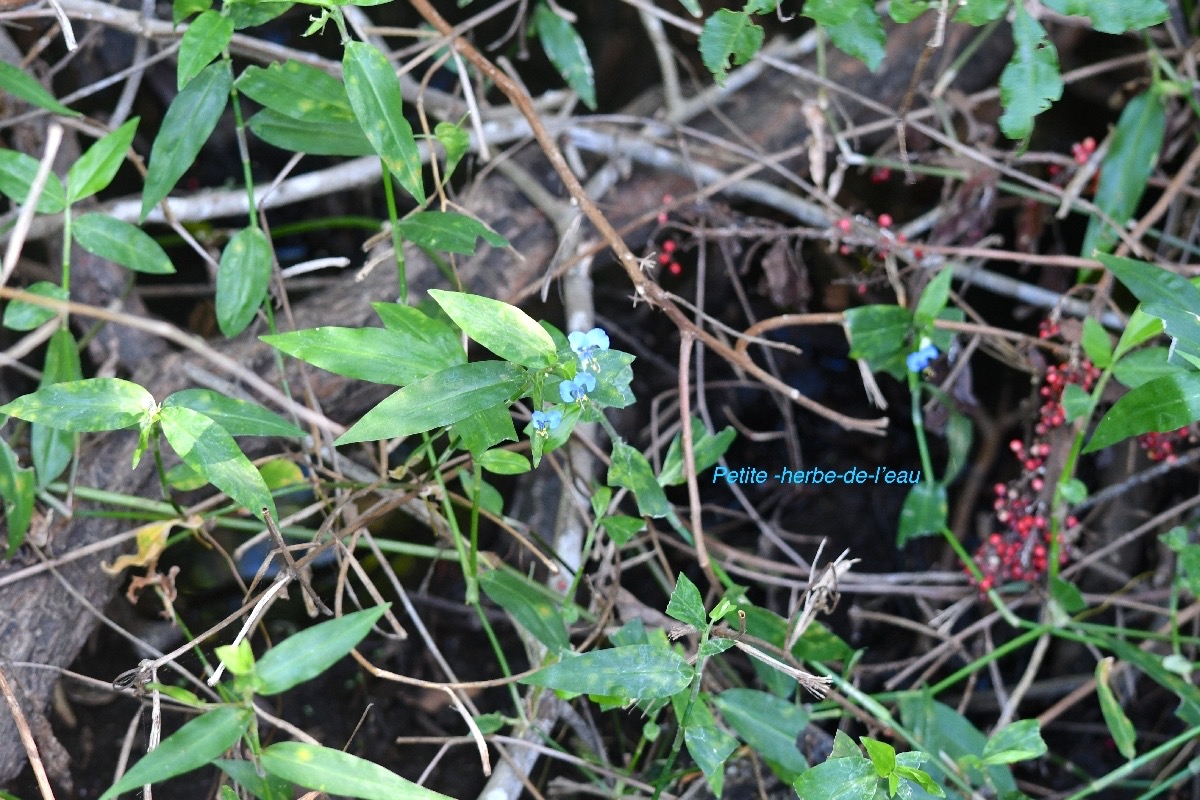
(1114, 16)
(17, 172)
(853, 26)
(378, 355)
(1131, 158)
(769, 724)
(95, 404)
(336, 773)
(96, 168)
(1031, 82)
(728, 34)
(638, 672)
(566, 51)
(878, 334)
(631, 470)
(980, 12)
(533, 607)
(438, 400)
(182, 9)
(456, 142)
(1122, 730)
(17, 486)
(446, 230)
(189, 122)
(122, 243)
(237, 417)
(329, 138)
(210, 451)
(203, 41)
(298, 91)
(710, 747)
(20, 84)
(502, 328)
(686, 605)
(375, 97)
(1151, 283)
(20, 315)
(933, 298)
(305, 655)
(1162, 404)
(1142, 366)
(849, 778)
(197, 743)
(1018, 741)
(923, 513)
(243, 277)
(707, 449)
(50, 448)
(904, 11)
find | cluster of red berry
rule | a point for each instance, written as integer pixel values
(1019, 550)
(666, 258)
(1165, 446)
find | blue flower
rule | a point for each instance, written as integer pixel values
(546, 421)
(922, 358)
(586, 345)
(576, 391)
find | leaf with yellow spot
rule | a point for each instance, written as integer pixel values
(151, 540)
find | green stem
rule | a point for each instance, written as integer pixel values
(397, 242)
(1136, 764)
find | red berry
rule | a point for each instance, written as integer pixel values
(885, 220)
(843, 224)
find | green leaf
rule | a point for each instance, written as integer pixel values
(924, 512)
(1160, 405)
(122, 243)
(182, 9)
(378, 355)
(438, 400)
(939, 728)
(1114, 16)
(375, 97)
(95, 404)
(195, 744)
(96, 168)
(1123, 733)
(878, 334)
(237, 417)
(1031, 82)
(337, 773)
(17, 172)
(17, 487)
(252, 13)
(851, 778)
(490, 499)
(692, 7)
(502, 328)
(630, 470)
(904, 11)
(243, 277)
(1152, 284)
(332, 138)
(305, 655)
(504, 462)
(706, 447)
(19, 84)
(710, 747)
(980, 12)
(264, 787)
(1141, 328)
(566, 52)
(1132, 155)
(844, 746)
(532, 607)
(621, 528)
(455, 141)
(1096, 343)
(1077, 402)
(298, 91)
(447, 230)
(960, 434)
(203, 41)
(1067, 595)
(728, 34)
(639, 672)
(933, 298)
(686, 605)
(882, 755)
(770, 725)
(1019, 741)
(51, 449)
(238, 658)
(1144, 365)
(22, 316)
(191, 118)
(484, 429)
(853, 26)
(208, 449)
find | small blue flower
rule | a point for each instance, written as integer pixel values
(586, 345)
(576, 391)
(546, 421)
(922, 358)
